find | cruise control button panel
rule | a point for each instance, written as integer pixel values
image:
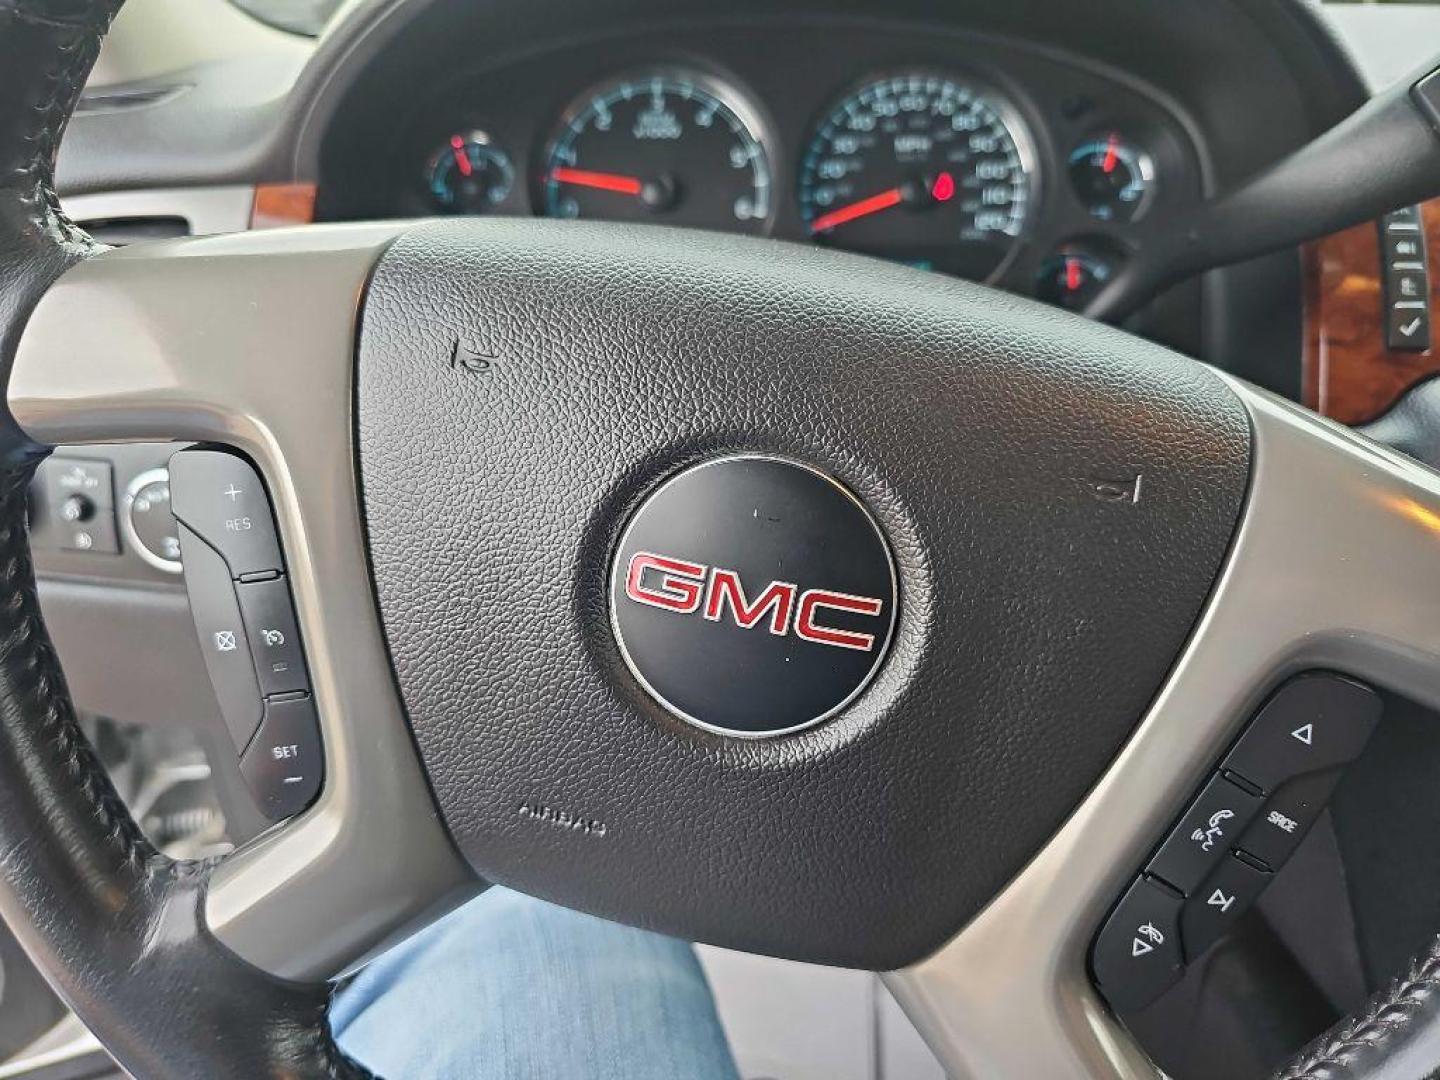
(1246, 821)
(283, 765)
(221, 633)
(269, 619)
(245, 618)
(220, 497)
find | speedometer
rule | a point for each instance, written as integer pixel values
(672, 147)
(923, 169)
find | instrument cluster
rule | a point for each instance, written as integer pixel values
(955, 166)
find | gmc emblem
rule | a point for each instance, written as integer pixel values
(687, 587)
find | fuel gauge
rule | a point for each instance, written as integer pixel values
(1114, 178)
(1073, 275)
(469, 174)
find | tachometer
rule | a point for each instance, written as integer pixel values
(920, 168)
(670, 147)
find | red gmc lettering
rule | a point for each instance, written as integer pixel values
(677, 584)
(806, 627)
(680, 586)
(725, 588)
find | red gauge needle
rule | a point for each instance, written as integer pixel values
(864, 208)
(1112, 155)
(624, 185)
(462, 160)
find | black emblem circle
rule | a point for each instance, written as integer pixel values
(753, 596)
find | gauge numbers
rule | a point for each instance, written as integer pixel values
(667, 147)
(923, 169)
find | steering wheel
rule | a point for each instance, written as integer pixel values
(1033, 576)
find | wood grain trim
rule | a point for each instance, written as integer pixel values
(1347, 372)
(279, 205)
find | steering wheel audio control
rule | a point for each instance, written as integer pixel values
(1138, 956)
(248, 633)
(1236, 835)
(1228, 893)
(1213, 822)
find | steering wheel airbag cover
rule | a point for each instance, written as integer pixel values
(1059, 497)
(735, 637)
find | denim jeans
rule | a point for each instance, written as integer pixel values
(511, 988)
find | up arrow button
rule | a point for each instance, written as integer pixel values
(1314, 722)
(220, 497)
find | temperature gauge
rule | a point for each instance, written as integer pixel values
(1073, 275)
(469, 175)
(1115, 179)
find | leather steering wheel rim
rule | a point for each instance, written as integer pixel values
(120, 929)
(117, 927)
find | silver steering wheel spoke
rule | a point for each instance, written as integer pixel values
(249, 341)
(1336, 565)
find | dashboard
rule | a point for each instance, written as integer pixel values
(1033, 170)
(1023, 143)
